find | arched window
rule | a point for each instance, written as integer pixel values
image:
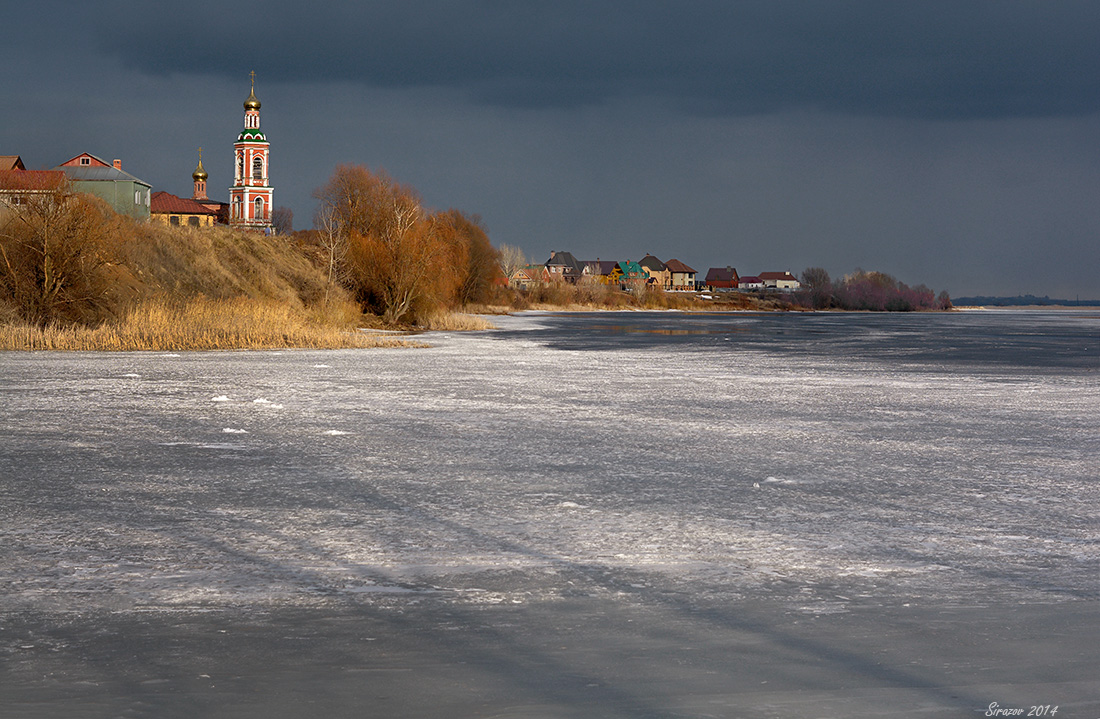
(257, 168)
(259, 214)
(237, 207)
(240, 167)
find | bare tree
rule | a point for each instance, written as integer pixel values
(282, 218)
(511, 259)
(333, 242)
(58, 258)
(818, 287)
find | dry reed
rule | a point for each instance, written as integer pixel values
(202, 324)
(456, 322)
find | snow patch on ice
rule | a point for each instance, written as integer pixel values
(336, 433)
(219, 398)
(378, 589)
(786, 481)
(231, 430)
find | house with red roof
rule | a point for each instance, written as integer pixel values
(169, 209)
(724, 278)
(18, 185)
(528, 276)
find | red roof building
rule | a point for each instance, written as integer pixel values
(168, 209)
(722, 278)
(18, 186)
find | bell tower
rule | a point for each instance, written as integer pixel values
(250, 197)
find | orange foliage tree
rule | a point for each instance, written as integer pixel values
(401, 260)
(479, 260)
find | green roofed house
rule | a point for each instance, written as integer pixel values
(632, 275)
(125, 193)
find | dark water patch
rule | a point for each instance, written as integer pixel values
(1032, 340)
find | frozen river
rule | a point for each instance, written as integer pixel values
(612, 515)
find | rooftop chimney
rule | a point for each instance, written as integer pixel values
(117, 164)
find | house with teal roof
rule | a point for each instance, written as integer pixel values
(631, 274)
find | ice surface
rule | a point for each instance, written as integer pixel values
(811, 463)
(502, 459)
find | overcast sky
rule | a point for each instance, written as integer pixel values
(953, 143)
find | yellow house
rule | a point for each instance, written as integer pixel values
(168, 209)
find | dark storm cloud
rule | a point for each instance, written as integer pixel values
(940, 59)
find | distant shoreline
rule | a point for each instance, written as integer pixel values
(1021, 301)
(1009, 308)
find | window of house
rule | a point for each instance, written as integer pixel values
(259, 209)
(257, 168)
(174, 220)
(193, 221)
(85, 161)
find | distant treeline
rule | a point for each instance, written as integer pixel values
(869, 291)
(1024, 301)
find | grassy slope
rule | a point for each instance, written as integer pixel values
(213, 288)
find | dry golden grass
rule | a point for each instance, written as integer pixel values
(456, 322)
(222, 263)
(488, 309)
(204, 324)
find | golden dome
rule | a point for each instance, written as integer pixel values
(252, 103)
(199, 173)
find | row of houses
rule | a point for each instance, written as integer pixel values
(86, 173)
(125, 193)
(727, 278)
(626, 274)
(650, 271)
